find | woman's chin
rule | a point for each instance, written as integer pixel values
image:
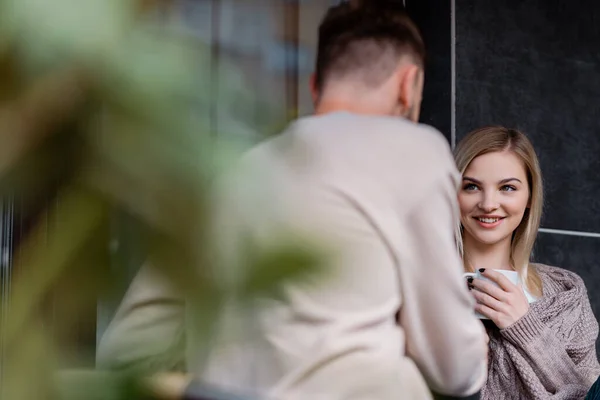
(485, 237)
(489, 239)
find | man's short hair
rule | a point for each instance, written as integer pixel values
(366, 38)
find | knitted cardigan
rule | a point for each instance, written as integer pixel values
(550, 353)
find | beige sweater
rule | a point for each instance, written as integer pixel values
(550, 353)
(382, 193)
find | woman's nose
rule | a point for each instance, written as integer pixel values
(488, 203)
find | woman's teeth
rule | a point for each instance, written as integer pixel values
(488, 220)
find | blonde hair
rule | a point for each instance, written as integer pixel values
(498, 139)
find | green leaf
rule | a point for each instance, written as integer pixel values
(49, 31)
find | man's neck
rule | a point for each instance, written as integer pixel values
(361, 108)
(481, 255)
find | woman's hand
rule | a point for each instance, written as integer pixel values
(504, 305)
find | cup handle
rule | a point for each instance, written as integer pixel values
(471, 274)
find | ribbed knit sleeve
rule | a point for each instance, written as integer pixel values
(550, 352)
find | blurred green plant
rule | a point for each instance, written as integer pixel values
(97, 103)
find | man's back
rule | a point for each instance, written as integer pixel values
(379, 192)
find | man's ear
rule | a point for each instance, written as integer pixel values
(314, 91)
(408, 80)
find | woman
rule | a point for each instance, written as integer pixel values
(542, 333)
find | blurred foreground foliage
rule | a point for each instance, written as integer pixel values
(97, 101)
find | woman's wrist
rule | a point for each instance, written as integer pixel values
(526, 329)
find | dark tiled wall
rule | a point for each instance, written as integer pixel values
(535, 65)
(532, 65)
(432, 20)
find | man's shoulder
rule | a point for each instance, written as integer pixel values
(433, 155)
(254, 158)
(426, 141)
(425, 133)
(391, 145)
(401, 129)
(431, 140)
(416, 143)
(390, 131)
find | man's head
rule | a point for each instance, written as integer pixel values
(369, 60)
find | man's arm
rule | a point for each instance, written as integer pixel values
(443, 336)
(147, 330)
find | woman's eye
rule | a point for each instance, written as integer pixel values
(470, 186)
(508, 188)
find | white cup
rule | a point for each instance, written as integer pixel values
(512, 276)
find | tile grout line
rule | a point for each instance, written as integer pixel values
(453, 74)
(570, 233)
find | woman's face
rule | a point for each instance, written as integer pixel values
(493, 197)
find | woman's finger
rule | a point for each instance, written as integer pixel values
(487, 311)
(502, 281)
(486, 299)
(490, 289)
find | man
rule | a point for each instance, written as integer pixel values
(392, 317)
